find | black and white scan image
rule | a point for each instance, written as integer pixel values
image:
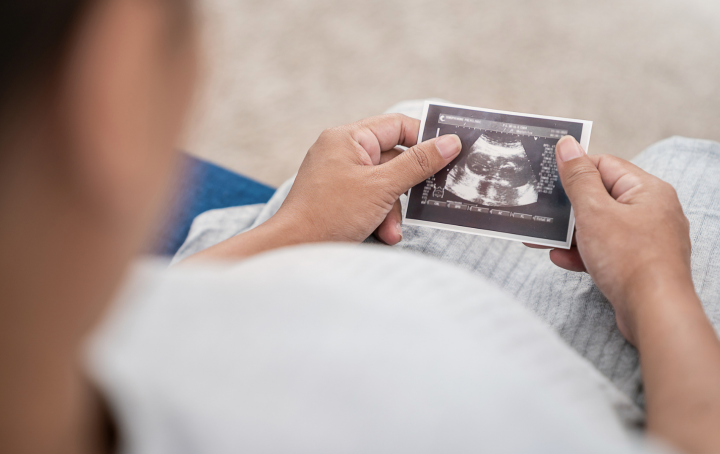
(496, 172)
(504, 183)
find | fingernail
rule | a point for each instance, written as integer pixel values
(569, 149)
(448, 145)
(399, 230)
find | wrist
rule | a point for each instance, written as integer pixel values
(653, 299)
(277, 232)
(284, 231)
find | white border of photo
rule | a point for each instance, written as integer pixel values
(584, 142)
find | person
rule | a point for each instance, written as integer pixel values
(259, 343)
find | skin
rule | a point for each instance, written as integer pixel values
(645, 274)
(83, 171)
(87, 164)
(348, 187)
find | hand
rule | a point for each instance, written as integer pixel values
(631, 234)
(351, 179)
(348, 187)
(634, 240)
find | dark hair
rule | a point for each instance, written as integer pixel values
(34, 40)
(33, 37)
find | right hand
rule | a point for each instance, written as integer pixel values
(631, 234)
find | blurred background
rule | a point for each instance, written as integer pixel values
(278, 72)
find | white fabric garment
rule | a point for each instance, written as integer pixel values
(345, 349)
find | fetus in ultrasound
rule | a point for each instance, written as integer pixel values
(496, 172)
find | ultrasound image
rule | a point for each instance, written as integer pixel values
(504, 182)
(495, 172)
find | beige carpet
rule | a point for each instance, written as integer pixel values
(279, 72)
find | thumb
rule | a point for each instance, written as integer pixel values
(580, 178)
(420, 162)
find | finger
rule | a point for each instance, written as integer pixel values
(392, 130)
(418, 163)
(618, 175)
(536, 246)
(389, 155)
(390, 230)
(383, 133)
(580, 178)
(568, 259)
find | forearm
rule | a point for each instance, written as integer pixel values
(680, 358)
(273, 234)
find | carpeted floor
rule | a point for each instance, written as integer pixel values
(279, 72)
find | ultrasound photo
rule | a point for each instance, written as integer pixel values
(496, 172)
(504, 183)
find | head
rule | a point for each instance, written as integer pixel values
(93, 96)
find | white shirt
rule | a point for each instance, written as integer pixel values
(345, 349)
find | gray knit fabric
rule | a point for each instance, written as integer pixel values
(568, 302)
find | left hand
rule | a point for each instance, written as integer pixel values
(348, 187)
(350, 181)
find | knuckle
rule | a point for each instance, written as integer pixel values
(330, 139)
(370, 120)
(399, 118)
(616, 159)
(669, 189)
(613, 160)
(390, 117)
(422, 159)
(327, 135)
(664, 190)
